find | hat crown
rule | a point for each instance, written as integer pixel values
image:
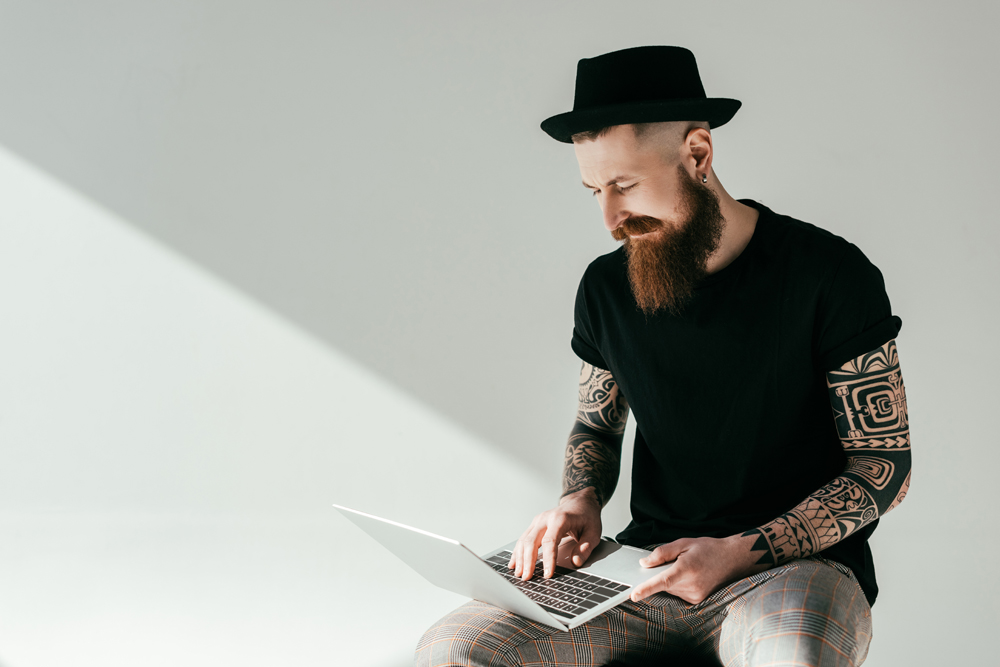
(642, 84)
(637, 74)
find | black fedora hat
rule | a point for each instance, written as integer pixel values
(643, 84)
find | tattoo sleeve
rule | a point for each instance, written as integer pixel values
(593, 454)
(869, 409)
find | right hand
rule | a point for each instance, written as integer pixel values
(578, 516)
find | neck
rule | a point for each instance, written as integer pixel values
(741, 220)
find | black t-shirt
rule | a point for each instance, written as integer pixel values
(734, 423)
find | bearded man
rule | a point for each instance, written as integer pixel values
(758, 355)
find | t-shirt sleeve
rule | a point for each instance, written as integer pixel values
(855, 316)
(584, 341)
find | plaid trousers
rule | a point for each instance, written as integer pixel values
(807, 612)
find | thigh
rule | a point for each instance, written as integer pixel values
(813, 613)
(481, 634)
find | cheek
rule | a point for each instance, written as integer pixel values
(662, 199)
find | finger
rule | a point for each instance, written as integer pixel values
(649, 587)
(517, 554)
(530, 553)
(664, 554)
(549, 543)
(514, 559)
(580, 553)
(513, 553)
(542, 545)
(574, 548)
(590, 537)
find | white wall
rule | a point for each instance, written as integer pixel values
(169, 453)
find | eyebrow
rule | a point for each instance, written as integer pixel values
(614, 180)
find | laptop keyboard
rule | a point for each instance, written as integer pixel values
(567, 593)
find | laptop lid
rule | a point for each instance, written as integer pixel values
(449, 564)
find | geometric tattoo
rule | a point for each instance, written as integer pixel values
(593, 453)
(869, 410)
(869, 401)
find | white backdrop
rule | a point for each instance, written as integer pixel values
(323, 253)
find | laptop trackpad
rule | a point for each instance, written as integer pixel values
(612, 561)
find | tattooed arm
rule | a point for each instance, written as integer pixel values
(869, 409)
(590, 474)
(593, 454)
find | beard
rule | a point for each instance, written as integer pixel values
(664, 268)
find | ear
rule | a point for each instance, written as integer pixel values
(696, 152)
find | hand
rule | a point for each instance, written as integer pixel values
(578, 516)
(702, 565)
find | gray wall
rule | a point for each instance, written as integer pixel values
(375, 173)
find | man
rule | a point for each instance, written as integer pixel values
(757, 353)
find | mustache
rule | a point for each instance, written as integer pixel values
(636, 226)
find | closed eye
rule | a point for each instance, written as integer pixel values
(620, 189)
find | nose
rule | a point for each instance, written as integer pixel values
(614, 214)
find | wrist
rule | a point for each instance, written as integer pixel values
(745, 560)
(587, 494)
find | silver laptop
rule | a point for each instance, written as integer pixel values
(570, 598)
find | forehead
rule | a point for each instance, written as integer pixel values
(614, 155)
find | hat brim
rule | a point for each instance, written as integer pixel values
(715, 111)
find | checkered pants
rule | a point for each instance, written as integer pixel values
(809, 612)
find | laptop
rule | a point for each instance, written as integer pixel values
(571, 597)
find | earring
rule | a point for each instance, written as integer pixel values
(704, 178)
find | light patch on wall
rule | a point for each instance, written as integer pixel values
(169, 450)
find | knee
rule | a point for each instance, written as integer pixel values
(801, 638)
(819, 624)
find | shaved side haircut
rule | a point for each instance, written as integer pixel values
(665, 137)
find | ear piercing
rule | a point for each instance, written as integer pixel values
(704, 178)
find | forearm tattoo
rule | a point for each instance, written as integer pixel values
(869, 409)
(593, 453)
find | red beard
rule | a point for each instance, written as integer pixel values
(664, 268)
